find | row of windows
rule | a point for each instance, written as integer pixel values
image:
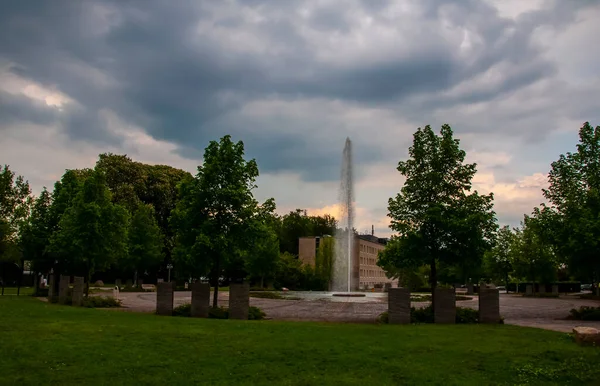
(368, 249)
(371, 273)
(368, 260)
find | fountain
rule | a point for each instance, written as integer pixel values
(342, 282)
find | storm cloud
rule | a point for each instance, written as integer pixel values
(292, 79)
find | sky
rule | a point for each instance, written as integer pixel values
(158, 80)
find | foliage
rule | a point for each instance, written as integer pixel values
(477, 354)
(101, 302)
(36, 234)
(262, 257)
(533, 259)
(498, 261)
(216, 215)
(298, 224)
(183, 310)
(145, 240)
(255, 313)
(466, 315)
(15, 202)
(218, 313)
(324, 259)
(572, 220)
(586, 313)
(93, 231)
(436, 216)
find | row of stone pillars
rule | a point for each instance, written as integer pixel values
(444, 308)
(239, 300)
(541, 289)
(63, 289)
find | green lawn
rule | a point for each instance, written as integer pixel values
(13, 291)
(53, 344)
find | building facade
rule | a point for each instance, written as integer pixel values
(366, 274)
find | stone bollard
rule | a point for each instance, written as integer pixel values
(470, 290)
(387, 286)
(200, 299)
(77, 291)
(51, 287)
(116, 292)
(399, 306)
(164, 298)
(554, 289)
(444, 306)
(489, 306)
(529, 290)
(542, 288)
(239, 301)
(63, 289)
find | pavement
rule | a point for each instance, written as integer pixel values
(546, 313)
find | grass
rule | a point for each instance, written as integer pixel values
(27, 291)
(73, 346)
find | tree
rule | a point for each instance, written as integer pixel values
(498, 261)
(15, 204)
(37, 233)
(145, 240)
(572, 218)
(263, 254)
(92, 232)
(215, 210)
(533, 259)
(437, 218)
(324, 260)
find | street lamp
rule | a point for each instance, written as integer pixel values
(169, 267)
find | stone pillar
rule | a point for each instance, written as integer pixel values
(529, 289)
(140, 282)
(129, 283)
(63, 289)
(399, 305)
(77, 291)
(444, 306)
(51, 286)
(239, 301)
(118, 283)
(489, 306)
(164, 298)
(554, 289)
(200, 299)
(470, 290)
(542, 288)
(387, 286)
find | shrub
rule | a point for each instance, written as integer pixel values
(421, 315)
(218, 313)
(100, 302)
(40, 293)
(183, 310)
(585, 313)
(255, 313)
(383, 318)
(466, 315)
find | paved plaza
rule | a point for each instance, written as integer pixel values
(547, 313)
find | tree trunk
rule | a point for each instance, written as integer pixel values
(20, 277)
(216, 281)
(433, 280)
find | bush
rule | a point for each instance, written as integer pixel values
(466, 315)
(255, 313)
(183, 310)
(100, 302)
(585, 313)
(421, 315)
(40, 293)
(383, 318)
(218, 313)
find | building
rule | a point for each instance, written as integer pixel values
(366, 274)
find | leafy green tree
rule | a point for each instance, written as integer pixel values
(298, 224)
(572, 218)
(263, 255)
(145, 240)
(92, 232)
(498, 261)
(533, 259)
(15, 204)
(437, 217)
(214, 213)
(37, 233)
(324, 259)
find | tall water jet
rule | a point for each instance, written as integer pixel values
(344, 238)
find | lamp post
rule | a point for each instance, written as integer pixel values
(169, 267)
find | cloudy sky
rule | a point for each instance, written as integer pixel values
(158, 79)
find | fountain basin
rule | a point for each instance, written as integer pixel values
(349, 294)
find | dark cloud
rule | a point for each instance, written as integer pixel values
(183, 70)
